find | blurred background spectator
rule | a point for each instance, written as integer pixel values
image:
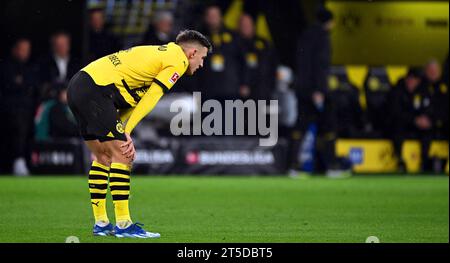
(19, 79)
(160, 32)
(224, 70)
(437, 89)
(58, 66)
(319, 109)
(410, 115)
(101, 41)
(260, 62)
(53, 119)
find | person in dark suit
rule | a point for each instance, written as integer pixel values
(161, 30)
(18, 97)
(410, 115)
(313, 64)
(260, 62)
(101, 41)
(59, 66)
(435, 85)
(223, 75)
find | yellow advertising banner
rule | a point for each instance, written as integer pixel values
(377, 156)
(389, 33)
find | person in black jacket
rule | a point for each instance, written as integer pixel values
(410, 116)
(433, 83)
(59, 66)
(161, 31)
(101, 41)
(260, 62)
(223, 74)
(316, 106)
(313, 64)
(18, 97)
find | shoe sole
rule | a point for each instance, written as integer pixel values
(103, 234)
(135, 236)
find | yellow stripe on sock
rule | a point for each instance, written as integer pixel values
(122, 211)
(116, 192)
(114, 175)
(99, 165)
(98, 173)
(98, 191)
(98, 181)
(121, 166)
(99, 209)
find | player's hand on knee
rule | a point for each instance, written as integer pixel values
(128, 148)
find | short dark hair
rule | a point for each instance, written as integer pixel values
(189, 36)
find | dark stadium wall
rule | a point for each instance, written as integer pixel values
(37, 19)
(285, 22)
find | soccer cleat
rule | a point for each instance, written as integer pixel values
(134, 231)
(103, 231)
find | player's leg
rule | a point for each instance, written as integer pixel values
(83, 99)
(98, 185)
(119, 184)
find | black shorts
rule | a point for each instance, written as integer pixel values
(95, 109)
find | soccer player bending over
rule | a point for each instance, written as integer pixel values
(109, 97)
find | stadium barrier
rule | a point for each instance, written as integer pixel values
(227, 155)
(377, 156)
(211, 155)
(68, 156)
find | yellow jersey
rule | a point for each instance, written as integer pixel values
(142, 74)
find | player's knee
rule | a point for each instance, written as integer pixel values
(105, 159)
(118, 156)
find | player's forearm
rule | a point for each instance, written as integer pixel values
(144, 107)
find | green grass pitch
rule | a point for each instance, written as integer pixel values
(236, 209)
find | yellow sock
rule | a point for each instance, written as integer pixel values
(119, 184)
(98, 187)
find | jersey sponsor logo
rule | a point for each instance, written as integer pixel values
(174, 78)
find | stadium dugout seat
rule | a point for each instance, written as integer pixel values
(338, 78)
(344, 97)
(376, 88)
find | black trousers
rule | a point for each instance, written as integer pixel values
(17, 132)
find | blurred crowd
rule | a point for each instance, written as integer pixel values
(241, 66)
